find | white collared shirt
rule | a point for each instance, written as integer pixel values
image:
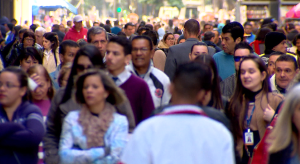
(180, 139)
(47, 54)
(122, 77)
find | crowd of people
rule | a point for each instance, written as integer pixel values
(220, 94)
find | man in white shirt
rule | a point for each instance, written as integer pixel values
(182, 134)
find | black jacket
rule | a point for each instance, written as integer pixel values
(60, 34)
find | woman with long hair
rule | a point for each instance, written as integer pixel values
(284, 139)
(98, 132)
(252, 105)
(86, 57)
(50, 55)
(216, 97)
(21, 123)
(29, 57)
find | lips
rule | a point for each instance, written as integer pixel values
(2, 96)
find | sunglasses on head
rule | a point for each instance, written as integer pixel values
(82, 67)
(238, 58)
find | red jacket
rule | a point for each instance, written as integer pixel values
(74, 35)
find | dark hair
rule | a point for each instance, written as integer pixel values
(235, 29)
(277, 53)
(96, 23)
(199, 44)
(94, 31)
(295, 39)
(144, 37)
(207, 24)
(115, 96)
(140, 30)
(239, 102)
(243, 45)
(35, 69)
(122, 41)
(107, 21)
(247, 24)
(30, 52)
(29, 34)
(17, 29)
(107, 28)
(208, 35)
(153, 35)
(55, 27)
(81, 42)
(10, 26)
(13, 20)
(67, 43)
(199, 76)
(21, 75)
(166, 36)
(22, 31)
(128, 24)
(192, 26)
(216, 91)
(289, 26)
(116, 22)
(150, 26)
(121, 34)
(53, 38)
(287, 58)
(261, 35)
(272, 26)
(95, 57)
(33, 27)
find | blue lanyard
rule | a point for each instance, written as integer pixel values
(250, 118)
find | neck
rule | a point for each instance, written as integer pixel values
(142, 70)
(12, 108)
(257, 89)
(116, 72)
(177, 100)
(97, 108)
(77, 28)
(192, 36)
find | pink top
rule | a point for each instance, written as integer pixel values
(44, 105)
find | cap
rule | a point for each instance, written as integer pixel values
(77, 18)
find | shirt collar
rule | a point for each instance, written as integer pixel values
(122, 77)
(182, 107)
(132, 69)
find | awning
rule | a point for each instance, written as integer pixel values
(294, 12)
(52, 5)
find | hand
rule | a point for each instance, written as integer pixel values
(36, 78)
(268, 113)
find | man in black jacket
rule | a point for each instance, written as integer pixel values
(61, 35)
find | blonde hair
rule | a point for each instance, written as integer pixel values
(285, 131)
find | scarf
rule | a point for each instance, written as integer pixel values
(256, 44)
(95, 127)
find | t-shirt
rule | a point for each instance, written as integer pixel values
(225, 64)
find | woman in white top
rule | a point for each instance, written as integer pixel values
(50, 55)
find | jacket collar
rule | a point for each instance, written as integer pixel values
(132, 69)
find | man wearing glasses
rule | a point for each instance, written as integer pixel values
(98, 37)
(227, 85)
(142, 66)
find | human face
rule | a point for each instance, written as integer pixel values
(141, 53)
(281, 47)
(83, 63)
(170, 40)
(182, 41)
(78, 25)
(28, 42)
(298, 44)
(93, 91)
(39, 37)
(207, 28)
(228, 43)
(62, 28)
(115, 58)
(240, 53)
(129, 30)
(20, 37)
(251, 77)
(99, 40)
(10, 91)
(69, 54)
(284, 73)
(47, 44)
(248, 29)
(198, 50)
(297, 27)
(216, 36)
(271, 64)
(27, 63)
(41, 92)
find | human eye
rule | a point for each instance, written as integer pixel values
(95, 86)
(243, 71)
(85, 86)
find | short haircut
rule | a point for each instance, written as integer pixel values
(33, 27)
(107, 28)
(208, 35)
(289, 26)
(144, 37)
(107, 21)
(261, 35)
(128, 24)
(153, 35)
(247, 24)
(122, 41)
(276, 53)
(29, 34)
(95, 23)
(192, 26)
(207, 24)
(149, 26)
(94, 31)
(295, 39)
(199, 44)
(199, 76)
(55, 27)
(243, 45)
(116, 23)
(41, 29)
(30, 52)
(235, 29)
(67, 43)
(22, 31)
(287, 58)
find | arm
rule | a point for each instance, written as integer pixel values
(126, 110)
(9, 128)
(30, 136)
(159, 60)
(170, 64)
(68, 154)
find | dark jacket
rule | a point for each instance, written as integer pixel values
(211, 44)
(20, 138)
(283, 156)
(60, 34)
(55, 119)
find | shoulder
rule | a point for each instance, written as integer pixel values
(137, 80)
(120, 119)
(72, 115)
(161, 76)
(275, 96)
(30, 108)
(218, 54)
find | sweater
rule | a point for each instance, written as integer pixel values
(75, 35)
(225, 64)
(139, 96)
(49, 61)
(19, 138)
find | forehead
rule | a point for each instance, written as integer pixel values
(274, 57)
(248, 64)
(112, 46)
(140, 43)
(200, 48)
(226, 35)
(8, 76)
(284, 64)
(170, 36)
(70, 48)
(242, 52)
(130, 26)
(100, 36)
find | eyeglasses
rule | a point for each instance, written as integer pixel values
(28, 39)
(238, 58)
(141, 49)
(82, 67)
(8, 85)
(170, 38)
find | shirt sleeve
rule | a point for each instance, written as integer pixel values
(171, 64)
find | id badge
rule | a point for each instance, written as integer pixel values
(249, 140)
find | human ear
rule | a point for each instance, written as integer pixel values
(238, 40)
(263, 75)
(204, 97)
